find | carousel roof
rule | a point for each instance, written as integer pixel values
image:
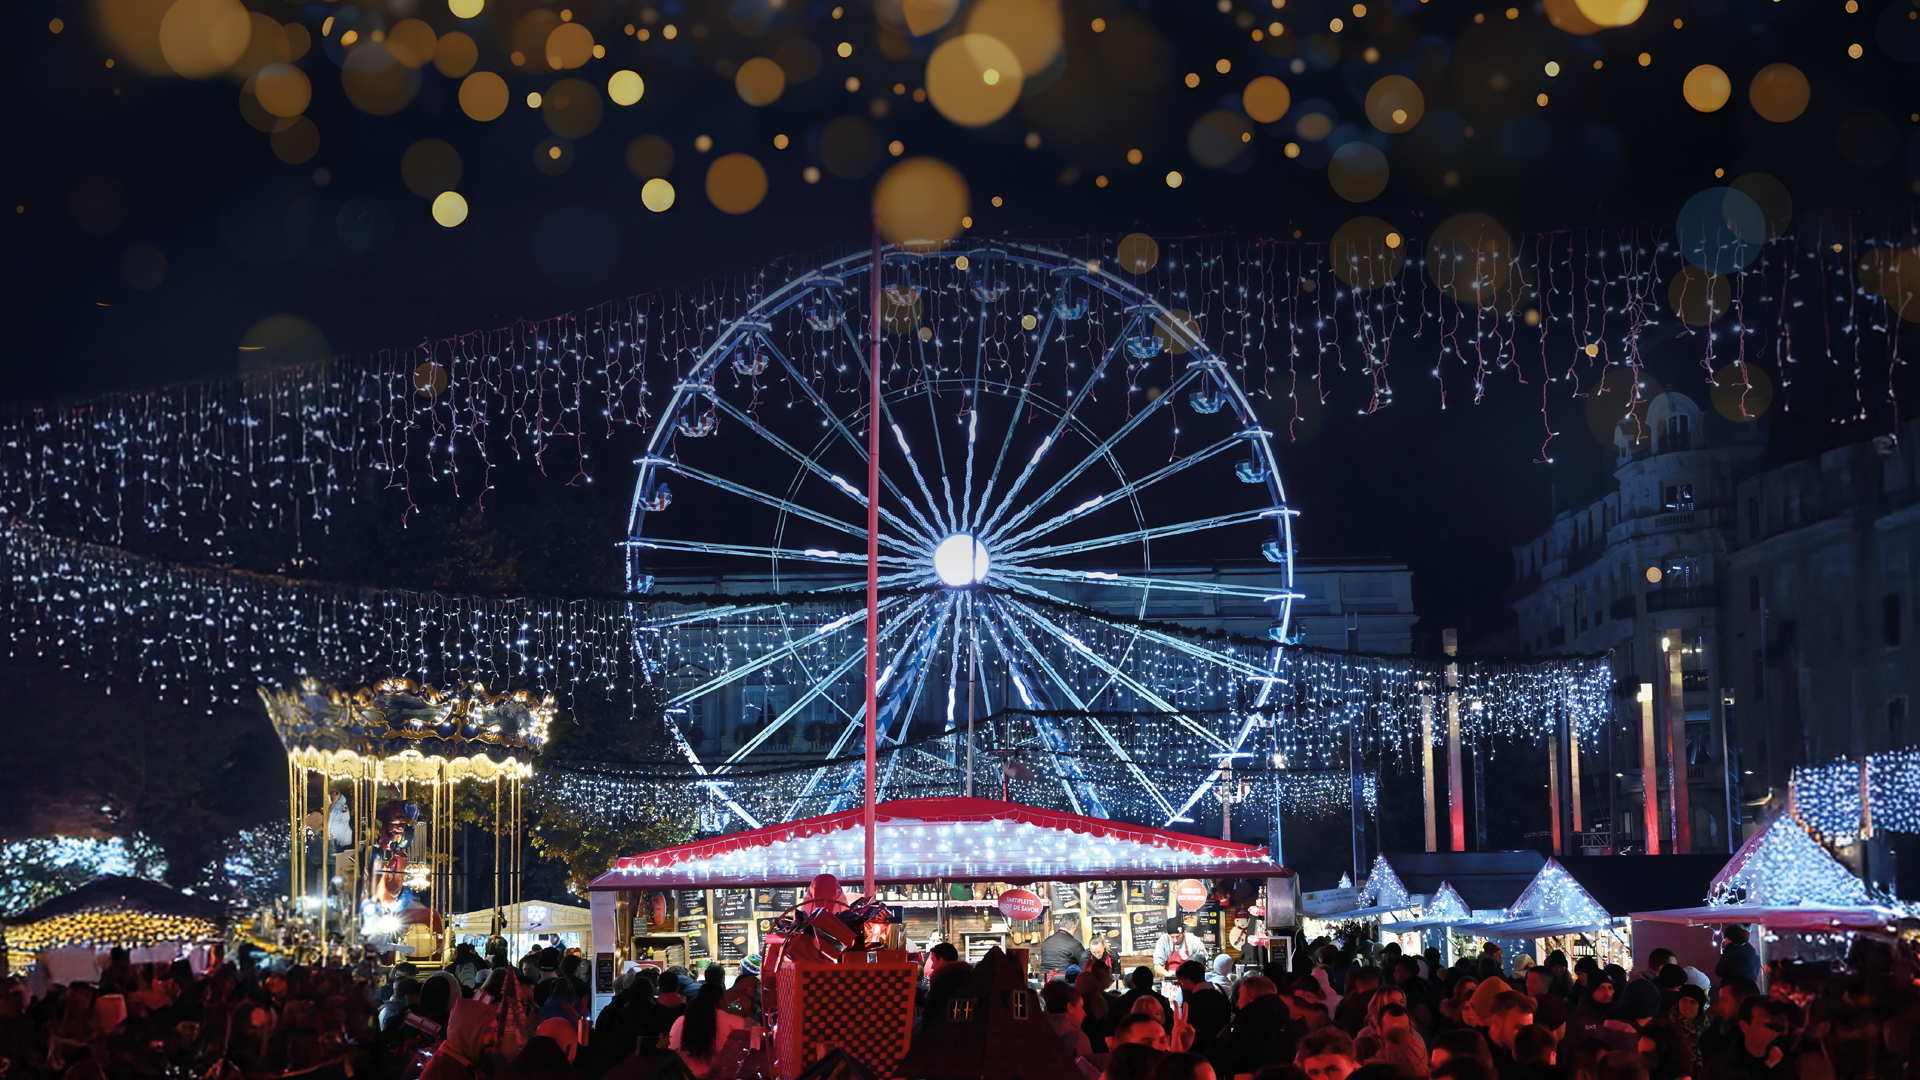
(953, 839)
(115, 911)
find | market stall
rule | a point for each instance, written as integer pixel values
(943, 865)
(1372, 910)
(527, 924)
(69, 935)
(1461, 886)
(1807, 902)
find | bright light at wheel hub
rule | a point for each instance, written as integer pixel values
(960, 560)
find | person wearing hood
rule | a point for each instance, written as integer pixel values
(1262, 1032)
(470, 1035)
(1738, 958)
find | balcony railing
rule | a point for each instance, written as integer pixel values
(1626, 607)
(1683, 596)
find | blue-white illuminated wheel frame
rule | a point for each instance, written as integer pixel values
(1041, 483)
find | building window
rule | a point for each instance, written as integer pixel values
(1753, 592)
(960, 1009)
(1753, 517)
(1017, 1002)
(1679, 497)
(1679, 432)
(1890, 619)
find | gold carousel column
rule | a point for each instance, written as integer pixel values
(497, 928)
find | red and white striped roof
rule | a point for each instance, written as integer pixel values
(941, 839)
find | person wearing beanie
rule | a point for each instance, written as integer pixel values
(1641, 999)
(1482, 1001)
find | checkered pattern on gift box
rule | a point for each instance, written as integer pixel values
(864, 1009)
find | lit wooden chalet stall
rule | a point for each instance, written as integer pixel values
(944, 862)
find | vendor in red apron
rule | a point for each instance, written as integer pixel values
(1179, 945)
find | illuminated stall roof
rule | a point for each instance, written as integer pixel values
(1443, 910)
(1784, 879)
(953, 839)
(109, 911)
(1485, 880)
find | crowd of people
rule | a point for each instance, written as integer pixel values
(1334, 1015)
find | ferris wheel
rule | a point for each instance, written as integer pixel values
(1052, 435)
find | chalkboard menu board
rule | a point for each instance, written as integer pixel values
(1148, 928)
(1066, 897)
(784, 899)
(1147, 894)
(734, 941)
(736, 903)
(691, 903)
(1104, 897)
(1104, 926)
(603, 973)
(696, 931)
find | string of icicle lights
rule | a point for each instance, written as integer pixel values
(210, 636)
(1838, 799)
(191, 469)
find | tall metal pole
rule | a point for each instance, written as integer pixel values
(1426, 768)
(973, 674)
(1649, 776)
(873, 545)
(1456, 781)
(1677, 801)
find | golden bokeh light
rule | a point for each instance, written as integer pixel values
(376, 81)
(923, 17)
(466, 9)
(449, 209)
(657, 195)
(429, 379)
(1138, 253)
(973, 79)
(282, 90)
(299, 40)
(1779, 92)
(1773, 198)
(1367, 253)
(1358, 171)
(528, 41)
(266, 44)
(256, 116)
(143, 267)
(569, 45)
(1218, 137)
(455, 55)
(1566, 15)
(297, 142)
(279, 341)
(760, 81)
(1607, 13)
(1395, 104)
(1741, 392)
(736, 183)
(1707, 88)
(920, 201)
(1031, 28)
(1612, 401)
(1699, 297)
(571, 108)
(483, 96)
(1470, 258)
(429, 167)
(413, 43)
(703, 143)
(649, 157)
(1893, 275)
(1177, 330)
(1266, 99)
(1174, 179)
(626, 87)
(553, 157)
(202, 39)
(131, 31)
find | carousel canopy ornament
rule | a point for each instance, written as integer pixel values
(123, 911)
(410, 731)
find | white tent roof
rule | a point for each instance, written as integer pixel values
(528, 917)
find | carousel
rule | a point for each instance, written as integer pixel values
(372, 778)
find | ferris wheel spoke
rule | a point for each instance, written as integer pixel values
(773, 501)
(1059, 428)
(1113, 671)
(1200, 790)
(1013, 422)
(940, 458)
(1154, 532)
(913, 463)
(1127, 581)
(833, 419)
(1120, 494)
(813, 555)
(821, 685)
(1113, 744)
(890, 681)
(1082, 793)
(1097, 454)
(840, 484)
(902, 699)
(791, 648)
